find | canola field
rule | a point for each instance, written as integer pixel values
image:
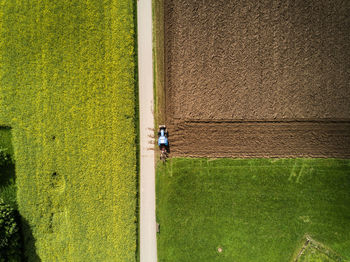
(67, 90)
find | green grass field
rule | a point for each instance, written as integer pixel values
(254, 209)
(67, 90)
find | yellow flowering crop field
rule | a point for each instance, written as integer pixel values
(68, 92)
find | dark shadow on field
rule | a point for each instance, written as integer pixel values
(8, 184)
(7, 168)
(8, 174)
(26, 250)
(28, 243)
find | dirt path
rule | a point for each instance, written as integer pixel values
(148, 240)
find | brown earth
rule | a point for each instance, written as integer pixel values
(260, 139)
(258, 78)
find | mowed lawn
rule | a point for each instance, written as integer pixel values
(254, 209)
(67, 90)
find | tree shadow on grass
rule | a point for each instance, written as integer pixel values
(7, 184)
(24, 248)
(28, 243)
(8, 194)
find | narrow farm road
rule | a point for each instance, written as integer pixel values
(148, 241)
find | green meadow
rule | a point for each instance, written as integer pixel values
(68, 93)
(253, 209)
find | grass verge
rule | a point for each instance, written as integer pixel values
(67, 71)
(158, 62)
(253, 209)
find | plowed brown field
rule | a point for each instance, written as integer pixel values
(258, 78)
(252, 139)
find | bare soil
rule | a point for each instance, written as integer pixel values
(258, 78)
(263, 139)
